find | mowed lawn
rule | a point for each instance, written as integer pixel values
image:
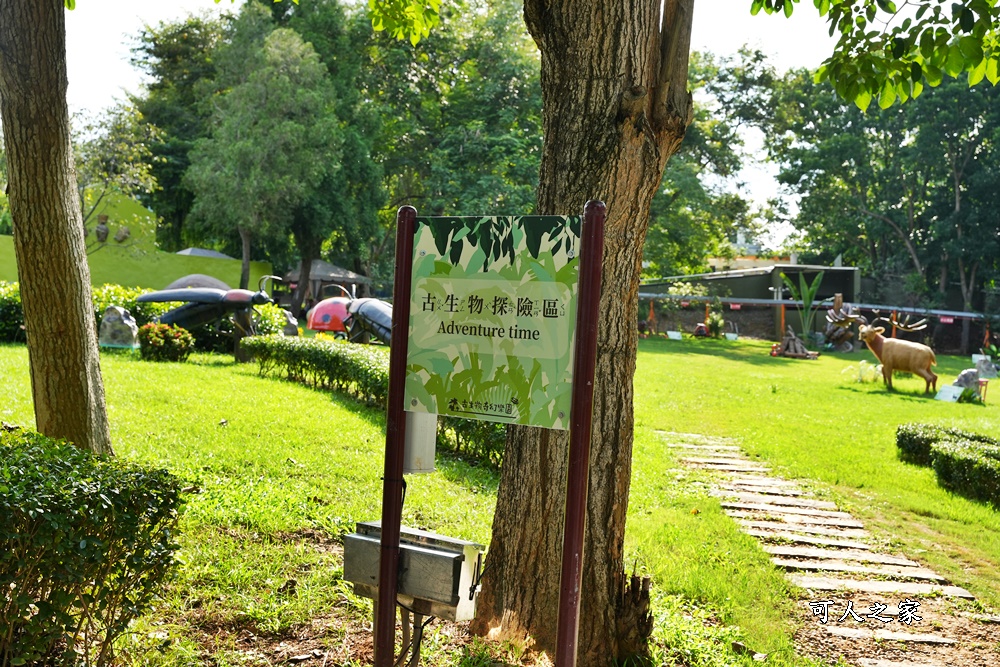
(279, 471)
(809, 421)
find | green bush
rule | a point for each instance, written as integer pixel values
(85, 545)
(916, 440)
(966, 463)
(363, 372)
(359, 370)
(218, 337)
(125, 297)
(164, 342)
(969, 468)
(11, 313)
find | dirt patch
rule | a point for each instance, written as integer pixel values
(977, 641)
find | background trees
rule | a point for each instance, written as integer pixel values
(901, 192)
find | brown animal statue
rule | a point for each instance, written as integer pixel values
(900, 355)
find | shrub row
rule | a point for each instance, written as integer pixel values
(966, 463)
(85, 544)
(270, 318)
(359, 370)
(363, 372)
(12, 315)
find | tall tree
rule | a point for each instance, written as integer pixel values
(66, 385)
(113, 156)
(177, 58)
(615, 107)
(274, 139)
(694, 215)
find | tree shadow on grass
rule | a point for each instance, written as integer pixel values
(456, 467)
(756, 353)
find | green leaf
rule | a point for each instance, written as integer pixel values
(934, 75)
(992, 75)
(887, 97)
(927, 43)
(788, 8)
(71, 5)
(956, 62)
(966, 19)
(971, 49)
(755, 7)
(863, 99)
(977, 73)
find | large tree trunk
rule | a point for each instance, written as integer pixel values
(615, 108)
(66, 384)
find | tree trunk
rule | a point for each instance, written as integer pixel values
(245, 266)
(66, 384)
(616, 106)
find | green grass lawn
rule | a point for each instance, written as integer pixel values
(279, 471)
(809, 420)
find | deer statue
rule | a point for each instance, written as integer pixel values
(900, 355)
(894, 354)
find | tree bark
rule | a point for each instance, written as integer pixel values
(245, 236)
(66, 384)
(616, 106)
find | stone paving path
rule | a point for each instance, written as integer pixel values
(829, 553)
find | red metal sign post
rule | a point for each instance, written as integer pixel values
(584, 366)
(395, 432)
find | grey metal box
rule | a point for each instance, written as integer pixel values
(438, 575)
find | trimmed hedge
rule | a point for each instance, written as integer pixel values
(966, 463)
(359, 370)
(85, 545)
(969, 468)
(363, 372)
(11, 313)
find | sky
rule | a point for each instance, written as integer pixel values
(99, 38)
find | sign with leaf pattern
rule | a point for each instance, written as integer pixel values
(492, 318)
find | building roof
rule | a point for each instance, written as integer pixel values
(328, 273)
(204, 252)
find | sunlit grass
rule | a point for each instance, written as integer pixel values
(812, 422)
(279, 471)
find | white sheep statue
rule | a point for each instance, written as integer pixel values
(900, 355)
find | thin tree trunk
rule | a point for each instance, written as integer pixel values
(616, 107)
(66, 384)
(245, 266)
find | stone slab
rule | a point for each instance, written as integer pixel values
(765, 507)
(874, 662)
(849, 568)
(806, 528)
(904, 587)
(837, 554)
(725, 467)
(769, 499)
(760, 488)
(704, 448)
(694, 438)
(804, 539)
(762, 480)
(797, 518)
(887, 635)
(723, 461)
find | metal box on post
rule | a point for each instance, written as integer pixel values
(438, 575)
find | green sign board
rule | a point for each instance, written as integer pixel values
(492, 318)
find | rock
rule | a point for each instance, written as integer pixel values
(968, 379)
(118, 328)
